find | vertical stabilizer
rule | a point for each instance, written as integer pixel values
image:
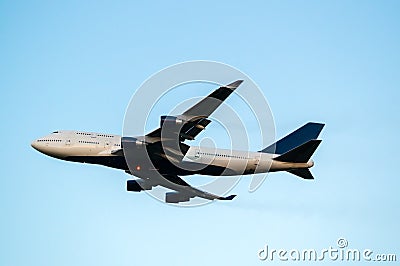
(298, 137)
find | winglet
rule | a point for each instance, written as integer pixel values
(234, 84)
(231, 197)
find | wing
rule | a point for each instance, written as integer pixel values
(191, 122)
(209, 104)
(182, 190)
(166, 142)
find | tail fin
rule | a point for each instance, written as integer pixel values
(300, 154)
(303, 134)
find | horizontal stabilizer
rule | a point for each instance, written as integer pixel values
(301, 135)
(300, 154)
(303, 173)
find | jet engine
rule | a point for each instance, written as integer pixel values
(137, 185)
(170, 121)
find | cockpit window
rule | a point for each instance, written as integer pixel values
(55, 132)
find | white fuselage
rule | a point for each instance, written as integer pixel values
(67, 144)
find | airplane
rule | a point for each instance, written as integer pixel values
(161, 157)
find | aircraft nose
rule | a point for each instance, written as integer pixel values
(39, 146)
(35, 145)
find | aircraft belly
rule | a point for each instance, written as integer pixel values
(262, 168)
(283, 166)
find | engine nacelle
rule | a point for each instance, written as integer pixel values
(137, 185)
(176, 197)
(130, 142)
(170, 121)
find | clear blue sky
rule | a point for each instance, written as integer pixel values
(75, 65)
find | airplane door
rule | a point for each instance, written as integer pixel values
(68, 142)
